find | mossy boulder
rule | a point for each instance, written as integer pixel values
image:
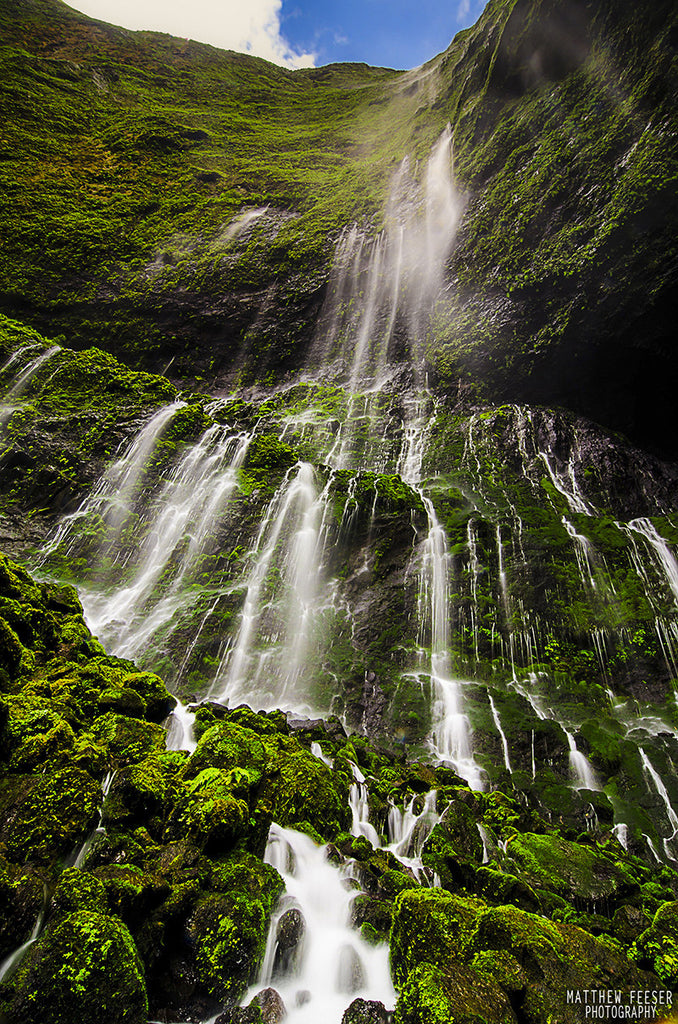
(431, 995)
(503, 887)
(555, 957)
(570, 869)
(84, 968)
(229, 928)
(226, 745)
(46, 816)
(657, 947)
(36, 733)
(158, 702)
(128, 740)
(78, 890)
(300, 788)
(430, 926)
(11, 649)
(210, 813)
(139, 791)
(132, 893)
(454, 847)
(21, 899)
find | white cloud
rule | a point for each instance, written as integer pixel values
(463, 9)
(252, 26)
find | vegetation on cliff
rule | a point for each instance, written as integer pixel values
(143, 176)
(168, 901)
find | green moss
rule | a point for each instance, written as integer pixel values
(85, 967)
(77, 891)
(46, 816)
(210, 814)
(127, 739)
(230, 929)
(570, 869)
(459, 996)
(431, 927)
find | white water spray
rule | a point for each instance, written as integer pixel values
(334, 964)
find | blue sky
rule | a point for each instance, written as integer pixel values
(302, 33)
(392, 33)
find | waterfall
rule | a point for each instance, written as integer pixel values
(10, 964)
(360, 808)
(332, 964)
(582, 550)
(8, 405)
(580, 766)
(408, 830)
(661, 550)
(80, 855)
(111, 497)
(497, 722)
(30, 370)
(451, 730)
(291, 535)
(176, 529)
(179, 726)
(395, 277)
(663, 793)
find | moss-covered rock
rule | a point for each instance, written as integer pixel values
(432, 927)
(570, 869)
(657, 946)
(76, 891)
(556, 958)
(85, 967)
(431, 995)
(229, 928)
(211, 812)
(46, 817)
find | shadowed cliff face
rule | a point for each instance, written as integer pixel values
(190, 200)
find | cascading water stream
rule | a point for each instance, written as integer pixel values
(409, 828)
(182, 518)
(80, 855)
(360, 809)
(11, 963)
(450, 731)
(291, 536)
(502, 735)
(113, 494)
(663, 793)
(660, 548)
(179, 726)
(9, 402)
(333, 964)
(27, 374)
(581, 767)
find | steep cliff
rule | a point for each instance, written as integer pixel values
(180, 202)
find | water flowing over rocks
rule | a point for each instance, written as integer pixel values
(398, 741)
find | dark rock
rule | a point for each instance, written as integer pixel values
(289, 937)
(271, 1005)
(366, 1011)
(628, 922)
(291, 928)
(240, 1015)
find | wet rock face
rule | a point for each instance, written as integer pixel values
(289, 937)
(271, 1006)
(366, 1011)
